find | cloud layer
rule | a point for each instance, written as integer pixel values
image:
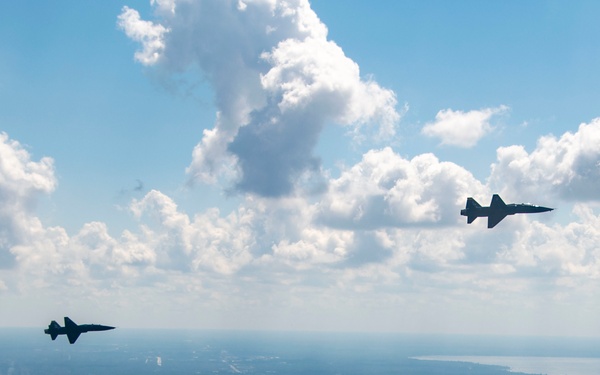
(386, 229)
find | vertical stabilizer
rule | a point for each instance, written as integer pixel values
(497, 202)
(471, 206)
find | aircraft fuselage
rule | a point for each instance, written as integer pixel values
(73, 330)
(498, 210)
(510, 209)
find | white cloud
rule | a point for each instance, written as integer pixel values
(208, 241)
(314, 246)
(462, 129)
(21, 178)
(150, 35)
(315, 75)
(107, 256)
(167, 6)
(385, 189)
(278, 81)
(22, 182)
(568, 251)
(567, 167)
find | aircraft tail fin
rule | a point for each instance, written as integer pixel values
(471, 205)
(52, 329)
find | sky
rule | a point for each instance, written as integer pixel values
(296, 165)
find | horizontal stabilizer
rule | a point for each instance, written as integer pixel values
(471, 218)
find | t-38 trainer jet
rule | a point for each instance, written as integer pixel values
(72, 330)
(498, 210)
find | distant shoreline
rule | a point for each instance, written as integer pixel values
(528, 365)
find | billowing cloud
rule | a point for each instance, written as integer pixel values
(22, 181)
(278, 81)
(107, 256)
(462, 129)
(208, 241)
(567, 167)
(385, 211)
(567, 252)
(385, 189)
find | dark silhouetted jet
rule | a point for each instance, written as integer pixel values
(72, 330)
(497, 210)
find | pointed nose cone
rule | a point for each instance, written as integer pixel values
(104, 328)
(541, 209)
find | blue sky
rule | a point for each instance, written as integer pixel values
(295, 165)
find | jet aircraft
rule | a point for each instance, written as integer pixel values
(72, 330)
(498, 210)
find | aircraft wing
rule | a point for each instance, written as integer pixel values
(73, 335)
(495, 218)
(72, 330)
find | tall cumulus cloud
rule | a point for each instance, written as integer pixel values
(277, 79)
